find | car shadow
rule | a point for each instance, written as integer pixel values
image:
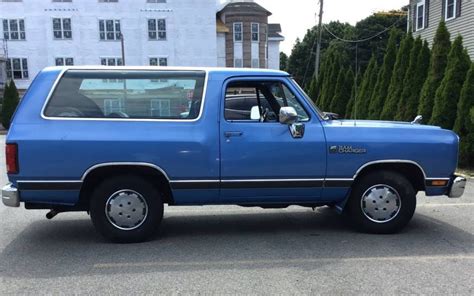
(204, 241)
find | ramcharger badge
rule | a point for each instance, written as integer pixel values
(347, 150)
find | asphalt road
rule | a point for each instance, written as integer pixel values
(232, 250)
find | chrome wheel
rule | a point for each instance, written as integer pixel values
(381, 203)
(126, 209)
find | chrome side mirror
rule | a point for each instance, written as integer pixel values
(288, 115)
(417, 120)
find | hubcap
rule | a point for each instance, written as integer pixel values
(126, 209)
(381, 203)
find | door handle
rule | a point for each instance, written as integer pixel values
(233, 134)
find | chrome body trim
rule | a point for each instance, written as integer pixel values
(390, 161)
(106, 164)
(10, 196)
(458, 187)
(58, 79)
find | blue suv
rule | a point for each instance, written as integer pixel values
(120, 142)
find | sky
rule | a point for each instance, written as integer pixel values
(297, 16)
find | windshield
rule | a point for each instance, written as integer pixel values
(320, 113)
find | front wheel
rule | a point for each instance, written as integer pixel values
(381, 202)
(126, 209)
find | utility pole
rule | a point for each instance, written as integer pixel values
(320, 36)
(122, 43)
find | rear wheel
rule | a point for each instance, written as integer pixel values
(381, 202)
(126, 209)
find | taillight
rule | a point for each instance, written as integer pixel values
(11, 152)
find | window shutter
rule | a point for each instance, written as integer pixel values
(443, 10)
(414, 20)
(458, 8)
(427, 13)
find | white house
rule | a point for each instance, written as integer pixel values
(41, 33)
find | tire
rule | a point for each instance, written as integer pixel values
(126, 209)
(381, 202)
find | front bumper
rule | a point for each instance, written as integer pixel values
(457, 187)
(10, 196)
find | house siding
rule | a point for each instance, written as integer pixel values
(463, 25)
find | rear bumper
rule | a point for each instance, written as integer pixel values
(457, 187)
(10, 196)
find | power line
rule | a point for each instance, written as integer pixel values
(365, 39)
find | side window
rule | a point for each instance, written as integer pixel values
(134, 95)
(265, 97)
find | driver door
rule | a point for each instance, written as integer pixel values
(260, 159)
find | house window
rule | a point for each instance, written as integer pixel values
(450, 9)
(237, 32)
(255, 32)
(420, 16)
(109, 29)
(112, 106)
(238, 63)
(255, 63)
(62, 28)
(17, 68)
(155, 1)
(111, 61)
(64, 61)
(157, 29)
(163, 62)
(160, 108)
(14, 29)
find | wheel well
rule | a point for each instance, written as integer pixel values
(96, 176)
(413, 173)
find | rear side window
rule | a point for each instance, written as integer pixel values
(128, 95)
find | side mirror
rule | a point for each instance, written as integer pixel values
(255, 113)
(288, 115)
(417, 120)
(331, 116)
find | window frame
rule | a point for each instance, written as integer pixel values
(158, 61)
(116, 59)
(62, 30)
(63, 72)
(252, 32)
(18, 31)
(423, 15)
(241, 32)
(157, 29)
(446, 10)
(64, 61)
(22, 69)
(283, 81)
(115, 32)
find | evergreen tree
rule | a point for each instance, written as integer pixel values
(448, 93)
(366, 90)
(408, 80)
(383, 80)
(351, 104)
(395, 89)
(439, 59)
(414, 83)
(312, 91)
(329, 84)
(283, 61)
(463, 126)
(10, 101)
(342, 94)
